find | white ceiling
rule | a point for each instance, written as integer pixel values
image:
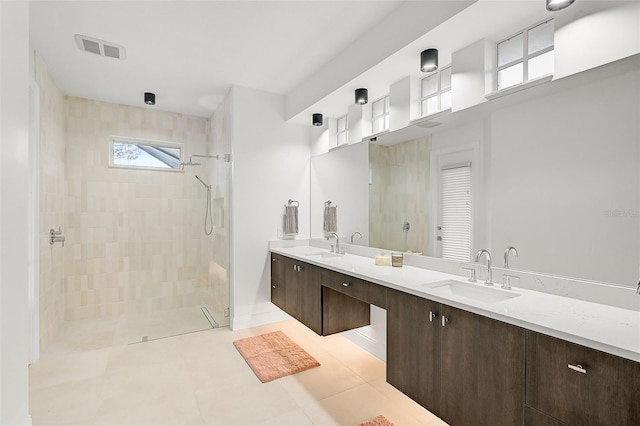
(190, 52)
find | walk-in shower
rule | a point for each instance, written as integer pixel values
(182, 284)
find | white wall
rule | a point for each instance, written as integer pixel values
(342, 176)
(565, 181)
(270, 166)
(14, 183)
(593, 33)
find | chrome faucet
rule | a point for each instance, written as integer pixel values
(354, 235)
(509, 250)
(333, 234)
(489, 280)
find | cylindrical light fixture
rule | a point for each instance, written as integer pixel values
(149, 98)
(362, 96)
(554, 5)
(317, 119)
(429, 60)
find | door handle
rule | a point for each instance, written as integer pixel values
(432, 316)
(445, 320)
(346, 284)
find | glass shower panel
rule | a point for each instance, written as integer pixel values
(178, 270)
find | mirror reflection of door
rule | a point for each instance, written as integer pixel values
(454, 221)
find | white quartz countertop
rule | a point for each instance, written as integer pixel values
(606, 328)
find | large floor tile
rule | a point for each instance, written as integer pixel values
(245, 405)
(68, 403)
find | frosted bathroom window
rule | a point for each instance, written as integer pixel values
(541, 65)
(380, 114)
(430, 85)
(510, 76)
(540, 37)
(526, 55)
(510, 50)
(445, 100)
(445, 79)
(430, 106)
(341, 134)
(436, 92)
(145, 154)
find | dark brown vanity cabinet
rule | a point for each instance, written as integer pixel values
(482, 370)
(580, 386)
(295, 288)
(413, 348)
(463, 367)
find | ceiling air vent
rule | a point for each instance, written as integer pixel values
(100, 47)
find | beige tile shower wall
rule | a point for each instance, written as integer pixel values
(399, 193)
(135, 242)
(51, 168)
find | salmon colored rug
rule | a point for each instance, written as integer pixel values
(377, 421)
(274, 355)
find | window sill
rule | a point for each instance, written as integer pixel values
(518, 87)
(422, 121)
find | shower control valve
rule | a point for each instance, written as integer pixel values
(56, 236)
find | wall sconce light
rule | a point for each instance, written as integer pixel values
(317, 119)
(149, 98)
(554, 5)
(362, 96)
(429, 60)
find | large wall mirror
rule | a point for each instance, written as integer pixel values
(556, 175)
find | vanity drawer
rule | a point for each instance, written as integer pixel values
(579, 385)
(362, 290)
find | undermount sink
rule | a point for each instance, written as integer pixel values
(324, 255)
(477, 292)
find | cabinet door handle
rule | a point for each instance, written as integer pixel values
(346, 284)
(273, 286)
(445, 320)
(294, 267)
(273, 259)
(299, 268)
(432, 316)
(579, 368)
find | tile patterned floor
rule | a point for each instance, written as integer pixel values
(200, 379)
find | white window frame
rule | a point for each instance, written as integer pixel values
(384, 115)
(341, 132)
(526, 56)
(437, 94)
(145, 142)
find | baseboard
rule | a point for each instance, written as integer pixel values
(269, 315)
(374, 347)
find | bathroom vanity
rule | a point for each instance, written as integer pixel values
(489, 359)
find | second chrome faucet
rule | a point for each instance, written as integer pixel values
(482, 252)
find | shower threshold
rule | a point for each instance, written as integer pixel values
(159, 325)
